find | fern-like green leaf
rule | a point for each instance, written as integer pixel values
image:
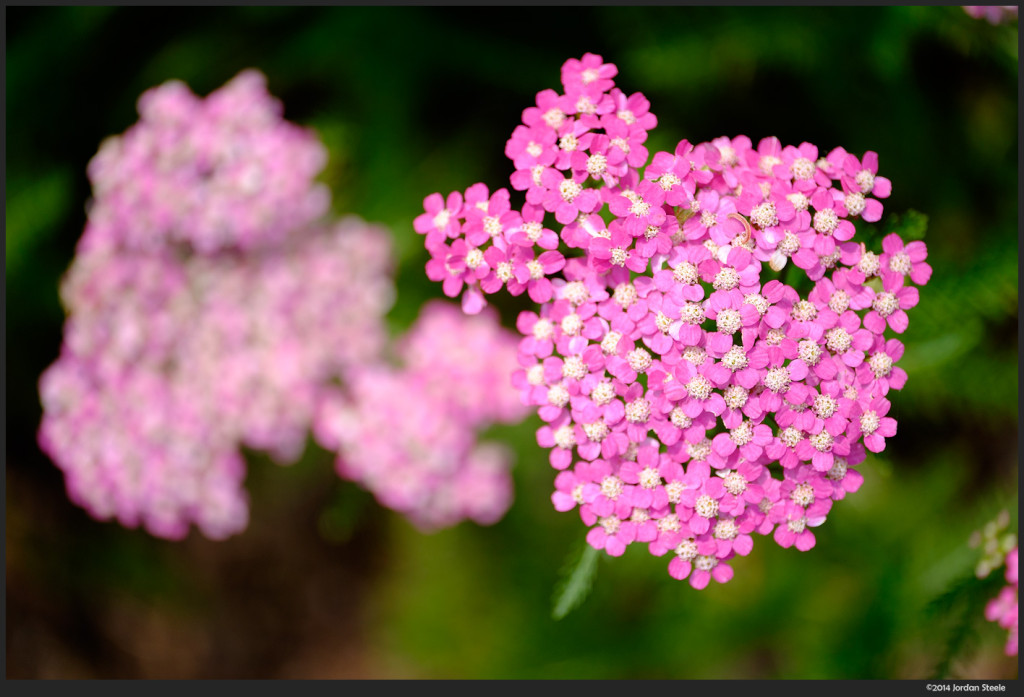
(576, 583)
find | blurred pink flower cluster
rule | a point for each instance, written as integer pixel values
(1003, 608)
(993, 14)
(408, 434)
(689, 400)
(175, 355)
(224, 172)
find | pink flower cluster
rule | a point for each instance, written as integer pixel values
(993, 14)
(176, 355)
(409, 434)
(170, 364)
(689, 400)
(216, 173)
(1003, 608)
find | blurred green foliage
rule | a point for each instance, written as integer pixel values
(415, 100)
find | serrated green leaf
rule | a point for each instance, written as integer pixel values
(577, 581)
(911, 225)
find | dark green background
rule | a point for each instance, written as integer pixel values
(410, 101)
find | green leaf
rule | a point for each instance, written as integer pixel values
(964, 602)
(910, 226)
(576, 584)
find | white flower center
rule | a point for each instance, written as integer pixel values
(809, 351)
(574, 368)
(611, 487)
(742, 434)
(602, 394)
(610, 524)
(535, 374)
(839, 302)
(597, 165)
(822, 441)
(492, 226)
(663, 322)
(575, 292)
(638, 411)
(777, 379)
(554, 118)
(596, 431)
(692, 313)
(610, 342)
(735, 483)
(686, 273)
(569, 190)
(791, 436)
(763, 215)
(625, 294)
(699, 451)
(565, 437)
(699, 387)
(674, 491)
(900, 263)
(869, 264)
(639, 360)
(640, 208)
(649, 478)
(825, 221)
(869, 422)
(855, 203)
(880, 363)
(706, 507)
(558, 395)
(687, 550)
(726, 529)
(668, 180)
(442, 218)
(825, 406)
(695, 355)
(759, 302)
(885, 304)
(679, 419)
(474, 258)
(735, 358)
(803, 168)
(572, 325)
(804, 311)
(736, 396)
(865, 180)
(798, 200)
(543, 330)
(726, 279)
(838, 340)
(803, 494)
(838, 470)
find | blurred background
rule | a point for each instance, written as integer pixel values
(325, 583)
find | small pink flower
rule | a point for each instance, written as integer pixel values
(890, 308)
(899, 261)
(589, 74)
(870, 420)
(440, 221)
